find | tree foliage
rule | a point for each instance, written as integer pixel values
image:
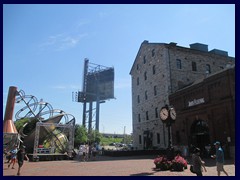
(19, 123)
(81, 135)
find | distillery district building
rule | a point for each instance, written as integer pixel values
(198, 82)
(206, 112)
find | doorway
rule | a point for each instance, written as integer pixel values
(200, 135)
(147, 139)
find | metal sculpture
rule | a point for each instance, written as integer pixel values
(46, 125)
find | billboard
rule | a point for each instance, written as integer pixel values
(98, 84)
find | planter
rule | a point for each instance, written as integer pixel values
(157, 166)
(177, 167)
(163, 166)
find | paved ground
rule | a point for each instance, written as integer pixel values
(108, 166)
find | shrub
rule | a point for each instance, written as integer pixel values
(177, 164)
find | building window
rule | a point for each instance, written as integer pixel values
(138, 81)
(194, 66)
(155, 90)
(158, 138)
(144, 60)
(140, 139)
(179, 64)
(137, 67)
(156, 112)
(145, 75)
(138, 99)
(139, 118)
(154, 69)
(153, 52)
(147, 118)
(208, 68)
(146, 95)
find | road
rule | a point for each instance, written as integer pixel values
(108, 166)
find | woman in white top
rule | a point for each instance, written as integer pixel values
(82, 152)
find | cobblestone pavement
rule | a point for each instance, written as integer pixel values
(108, 166)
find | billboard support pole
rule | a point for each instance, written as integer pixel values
(86, 61)
(90, 117)
(97, 105)
(97, 113)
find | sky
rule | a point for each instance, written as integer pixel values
(44, 47)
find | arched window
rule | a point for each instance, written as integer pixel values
(144, 60)
(146, 95)
(194, 66)
(139, 118)
(145, 75)
(154, 69)
(153, 52)
(156, 112)
(155, 90)
(199, 127)
(208, 68)
(179, 64)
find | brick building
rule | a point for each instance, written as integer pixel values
(206, 112)
(159, 70)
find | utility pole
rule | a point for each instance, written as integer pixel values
(124, 134)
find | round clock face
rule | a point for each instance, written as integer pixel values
(164, 114)
(173, 113)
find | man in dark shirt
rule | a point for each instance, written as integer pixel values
(20, 157)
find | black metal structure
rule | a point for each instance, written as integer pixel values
(98, 86)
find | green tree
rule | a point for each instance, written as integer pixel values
(127, 139)
(95, 137)
(81, 135)
(19, 123)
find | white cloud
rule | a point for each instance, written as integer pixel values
(62, 41)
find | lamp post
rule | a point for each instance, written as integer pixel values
(168, 116)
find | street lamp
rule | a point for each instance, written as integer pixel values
(168, 116)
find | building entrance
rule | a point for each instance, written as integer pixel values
(147, 139)
(200, 135)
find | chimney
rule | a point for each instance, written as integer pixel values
(219, 52)
(199, 46)
(8, 124)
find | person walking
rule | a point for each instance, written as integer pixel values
(7, 155)
(13, 157)
(21, 155)
(219, 156)
(197, 162)
(94, 152)
(82, 153)
(86, 152)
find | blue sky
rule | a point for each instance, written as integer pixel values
(44, 47)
